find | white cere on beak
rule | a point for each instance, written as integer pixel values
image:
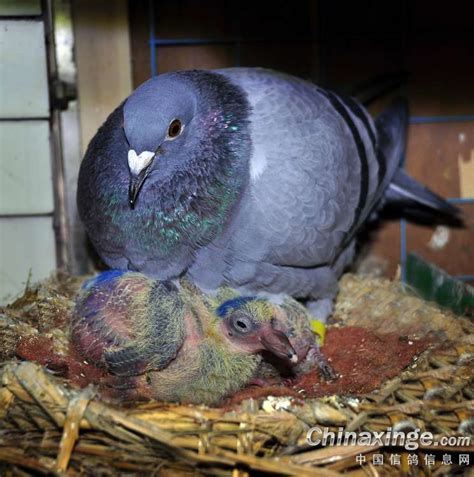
(137, 163)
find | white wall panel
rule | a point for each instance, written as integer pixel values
(25, 168)
(25, 245)
(23, 74)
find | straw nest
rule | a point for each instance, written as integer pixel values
(49, 427)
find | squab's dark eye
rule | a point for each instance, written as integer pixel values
(174, 129)
(242, 324)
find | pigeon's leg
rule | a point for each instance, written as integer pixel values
(320, 305)
(321, 309)
(261, 383)
(321, 302)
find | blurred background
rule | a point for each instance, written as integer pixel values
(66, 64)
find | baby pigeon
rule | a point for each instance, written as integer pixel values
(291, 318)
(243, 177)
(173, 343)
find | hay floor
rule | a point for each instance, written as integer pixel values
(402, 362)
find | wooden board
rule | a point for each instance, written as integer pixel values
(450, 249)
(282, 56)
(139, 42)
(276, 34)
(190, 19)
(443, 70)
(432, 44)
(103, 61)
(173, 58)
(434, 152)
(215, 19)
(297, 57)
(380, 250)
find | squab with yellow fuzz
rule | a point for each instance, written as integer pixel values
(166, 341)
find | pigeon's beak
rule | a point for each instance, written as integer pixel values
(136, 183)
(140, 167)
(278, 343)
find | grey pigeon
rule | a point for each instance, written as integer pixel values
(243, 177)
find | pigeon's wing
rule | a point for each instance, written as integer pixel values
(158, 330)
(389, 143)
(315, 172)
(129, 323)
(100, 316)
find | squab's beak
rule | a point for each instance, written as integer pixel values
(140, 168)
(277, 343)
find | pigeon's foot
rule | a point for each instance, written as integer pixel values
(315, 356)
(263, 383)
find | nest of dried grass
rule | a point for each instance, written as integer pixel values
(48, 426)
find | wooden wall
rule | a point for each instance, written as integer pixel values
(433, 45)
(281, 37)
(339, 44)
(102, 54)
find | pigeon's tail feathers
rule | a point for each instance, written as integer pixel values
(415, 200)
(392, 125)
(391, 128)
(402, 193)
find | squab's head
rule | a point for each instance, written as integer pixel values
(248, 323)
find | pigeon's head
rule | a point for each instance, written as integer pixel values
(178, 130)
(157, 124)
(249, 325)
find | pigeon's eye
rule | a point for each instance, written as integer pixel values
(242, 324)
(174, 129)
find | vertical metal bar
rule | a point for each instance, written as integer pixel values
(66, 104)
(461, 200)
(460, 118)
(60, 220)
(154, 69)
(403, 237)
(404, 36)
(403, 249)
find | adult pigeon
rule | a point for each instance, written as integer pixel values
(245, 177)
